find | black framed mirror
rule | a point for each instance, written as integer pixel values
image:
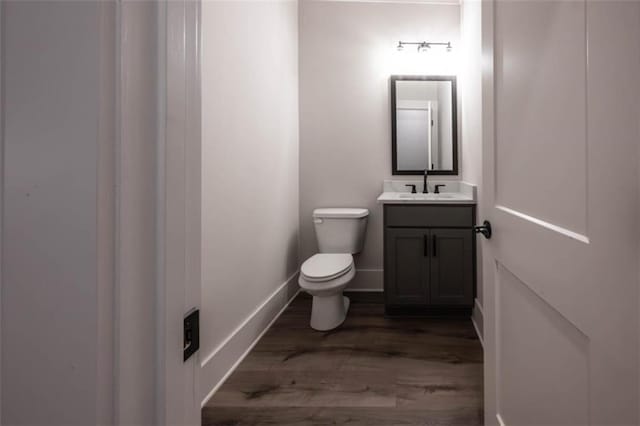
(424, 125)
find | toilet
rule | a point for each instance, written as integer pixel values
(340, 233)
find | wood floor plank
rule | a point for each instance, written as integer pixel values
(296, 358)
(321, 416)
(370, 371)
(454, 388)
(307, 389)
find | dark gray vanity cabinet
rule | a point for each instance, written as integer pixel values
(451, 267)
(429, 258)
(406, 267)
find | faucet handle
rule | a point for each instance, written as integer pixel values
(413, 188)
(437, 188)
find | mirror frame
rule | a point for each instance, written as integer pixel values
(454, 123)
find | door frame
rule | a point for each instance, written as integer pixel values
(149, 160)
(491, 416)
(178, 208)
(160, 160)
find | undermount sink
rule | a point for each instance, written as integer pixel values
(430, 196)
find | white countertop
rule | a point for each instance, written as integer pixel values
(454, 192)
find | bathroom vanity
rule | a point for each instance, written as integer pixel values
(429, 249)
(429, 239)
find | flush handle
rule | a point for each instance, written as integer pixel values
(484, 229)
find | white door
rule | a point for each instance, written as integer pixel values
(560, 187)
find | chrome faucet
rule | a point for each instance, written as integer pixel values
(425, 188)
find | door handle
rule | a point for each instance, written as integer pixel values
(426, 245)
(435, 244)
(484, 229)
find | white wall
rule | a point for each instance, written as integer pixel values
(471, 120)
(470, 81)
(249, 173)
(347, 53)
(58, 218)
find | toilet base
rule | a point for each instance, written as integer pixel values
(328, 312)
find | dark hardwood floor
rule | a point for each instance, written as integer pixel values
(370, 371)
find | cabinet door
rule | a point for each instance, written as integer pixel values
(406, 266)
(451, 262)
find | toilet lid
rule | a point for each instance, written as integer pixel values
(326, 266)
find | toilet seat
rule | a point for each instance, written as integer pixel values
(324, 267)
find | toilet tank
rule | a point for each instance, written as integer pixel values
(340, 230)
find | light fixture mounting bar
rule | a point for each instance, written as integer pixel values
(424, 45)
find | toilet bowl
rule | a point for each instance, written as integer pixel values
(340, 232)
(324, 276)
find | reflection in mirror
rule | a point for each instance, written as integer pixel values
(424, 125)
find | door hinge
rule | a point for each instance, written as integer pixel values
(191, 333)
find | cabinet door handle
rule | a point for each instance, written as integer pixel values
(433, 251)
(426, 245)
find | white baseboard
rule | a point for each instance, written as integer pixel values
(367, 280)
(219, 365)
(477, 318)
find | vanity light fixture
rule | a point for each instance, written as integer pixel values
(424, 46)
